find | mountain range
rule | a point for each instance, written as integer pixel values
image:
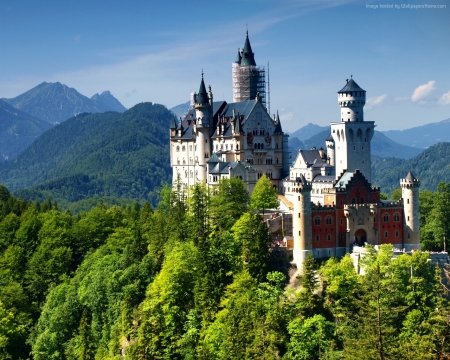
(382, 146)
(28, 115)
(422, 136)
(56, 102)
(17, 130)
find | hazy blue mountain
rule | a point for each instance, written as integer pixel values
(181, 109)
(382, 146)
(96, 155)
(308, 131)
(422, 136)
(106, 98)
(431, 166)
(17, 130)
(55, 102)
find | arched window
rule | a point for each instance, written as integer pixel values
(317, 221)
(178, 148)
(386, 217)
(317, 237)
(396, 217)
(328, 220)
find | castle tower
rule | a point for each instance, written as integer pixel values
(410, 194)
(352, 135)
(301, 220)
(248, 79)
(203, 122)
(330, 150)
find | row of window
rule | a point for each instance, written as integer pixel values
(328, 237)
(268, 174)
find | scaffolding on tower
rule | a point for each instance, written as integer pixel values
(248, 81)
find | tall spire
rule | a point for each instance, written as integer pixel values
(202, 96)
(248, 57)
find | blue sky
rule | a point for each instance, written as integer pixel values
(155, 51)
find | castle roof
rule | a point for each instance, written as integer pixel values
(173, 123)
(330, 138)
(248, 58)
(312, 157)
(323, 178)
(202, 96)
(351, 86)
(410, 176)
(278, 128)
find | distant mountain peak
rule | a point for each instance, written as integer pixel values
(56, 102)
(108, 99)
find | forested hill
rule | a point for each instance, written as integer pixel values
(109, 154)
(432, 166)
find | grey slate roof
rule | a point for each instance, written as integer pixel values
(324, 178)
(312, 157)
(173, 123)
(343, 181)
(410, 176)
(351, 86)
(202, 96)
(330, 138)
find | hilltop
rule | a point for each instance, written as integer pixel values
(110, 154)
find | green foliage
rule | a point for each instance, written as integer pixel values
(228, 203)
(430, 166)
(434, 215)
(264, 195)
(182, 282)
(96, 155)
(396, 194)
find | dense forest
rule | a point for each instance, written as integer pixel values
(95, 155)
(192, 279)
(431, 166)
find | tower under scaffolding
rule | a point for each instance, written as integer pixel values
(248, 81)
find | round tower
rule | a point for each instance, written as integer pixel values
(330, 150)
(301, 220)
(352, 135)
(351, 99)
(410, 194)
(203, 118)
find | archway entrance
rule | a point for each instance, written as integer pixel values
(360, 237)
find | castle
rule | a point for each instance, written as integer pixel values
(327, 192)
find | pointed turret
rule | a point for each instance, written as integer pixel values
(202, 96)
(248, 57)
(173, 123)
(278, 128)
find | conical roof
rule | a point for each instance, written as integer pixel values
(248, 58)
(202, 96)
(410, 176)
(278, 128)
(351, 86)
(173, 123)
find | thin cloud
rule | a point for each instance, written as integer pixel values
(423, 91)
(375, 101)
(444, 99)
(402, 98)
(287, 117)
